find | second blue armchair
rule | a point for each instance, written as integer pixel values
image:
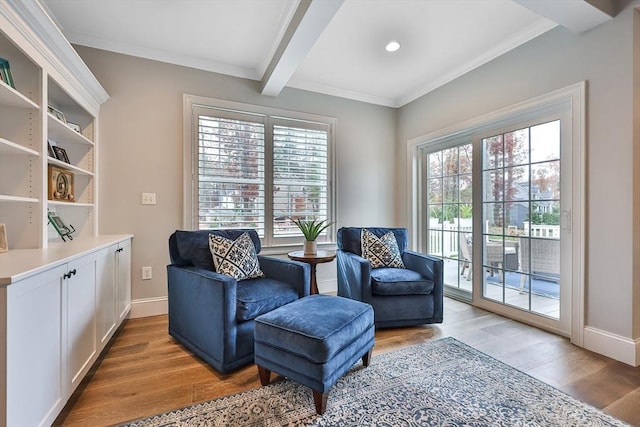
(399, 296)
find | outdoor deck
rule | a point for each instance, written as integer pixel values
(540, 304)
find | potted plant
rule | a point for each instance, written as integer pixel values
(311, 229)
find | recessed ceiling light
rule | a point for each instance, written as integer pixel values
(392, 46)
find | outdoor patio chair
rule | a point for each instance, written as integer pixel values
(496, 253)
(541, 258)
(465, 249)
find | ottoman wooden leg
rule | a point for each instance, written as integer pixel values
(366, 359)
(320, 399)
(264, 374)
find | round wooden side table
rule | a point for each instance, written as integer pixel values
(312, 260)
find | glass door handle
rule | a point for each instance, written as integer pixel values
(565, 220)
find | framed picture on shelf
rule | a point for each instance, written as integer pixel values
(50, 149)
(60, 154)
(74, 126)
(60, 184)
(4, 246)
(57, 114)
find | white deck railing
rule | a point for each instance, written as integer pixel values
(446, 243)
(542, 230)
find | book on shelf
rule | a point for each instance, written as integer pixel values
(5, 73)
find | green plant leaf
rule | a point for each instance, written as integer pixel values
(311, 229)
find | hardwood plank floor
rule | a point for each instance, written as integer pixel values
(144, 372)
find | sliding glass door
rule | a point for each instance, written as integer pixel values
(498, 222)
(501, 199)
(450, 214)
(521, 212)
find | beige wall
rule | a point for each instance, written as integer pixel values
(602, 57)
(141, 151)
(141, 148)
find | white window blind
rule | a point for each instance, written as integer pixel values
(300, 165)
(256, 170)
(231, 173)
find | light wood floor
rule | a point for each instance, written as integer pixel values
(144, 372)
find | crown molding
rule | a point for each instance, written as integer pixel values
(30, 19)
(161, 55)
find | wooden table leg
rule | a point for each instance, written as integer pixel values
(314, 284)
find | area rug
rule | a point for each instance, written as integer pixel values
(438, 383)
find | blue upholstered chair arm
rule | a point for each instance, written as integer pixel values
(198, 297)
(354, 276)
(297, 274)
(433, 269)
(205, 287)
(430, 267)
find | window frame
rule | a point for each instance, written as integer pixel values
(193, 104)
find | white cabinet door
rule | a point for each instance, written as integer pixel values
(80, 289)
(106, 317)
(124, 278)
(35, 357)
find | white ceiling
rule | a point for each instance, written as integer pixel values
(328, 46)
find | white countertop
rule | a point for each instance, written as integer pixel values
(18, 264)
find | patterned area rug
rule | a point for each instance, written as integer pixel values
(438, 383)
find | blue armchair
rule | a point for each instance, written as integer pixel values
(400, 297)
(213, 314)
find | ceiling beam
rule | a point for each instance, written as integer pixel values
(308, 22)
(577, 16)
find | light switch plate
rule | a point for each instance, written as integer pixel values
(148, 198)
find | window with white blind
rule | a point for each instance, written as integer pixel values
(251, 167)
(300, 175)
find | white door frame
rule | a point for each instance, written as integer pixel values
(571, 99)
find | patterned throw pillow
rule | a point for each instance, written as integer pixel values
(381, 251)
(235, 258)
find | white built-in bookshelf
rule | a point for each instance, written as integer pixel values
(60, 302)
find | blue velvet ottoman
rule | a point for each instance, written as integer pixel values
(314, 341)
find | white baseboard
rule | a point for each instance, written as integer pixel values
(149, 307)
(625, 350)
(328, 286)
